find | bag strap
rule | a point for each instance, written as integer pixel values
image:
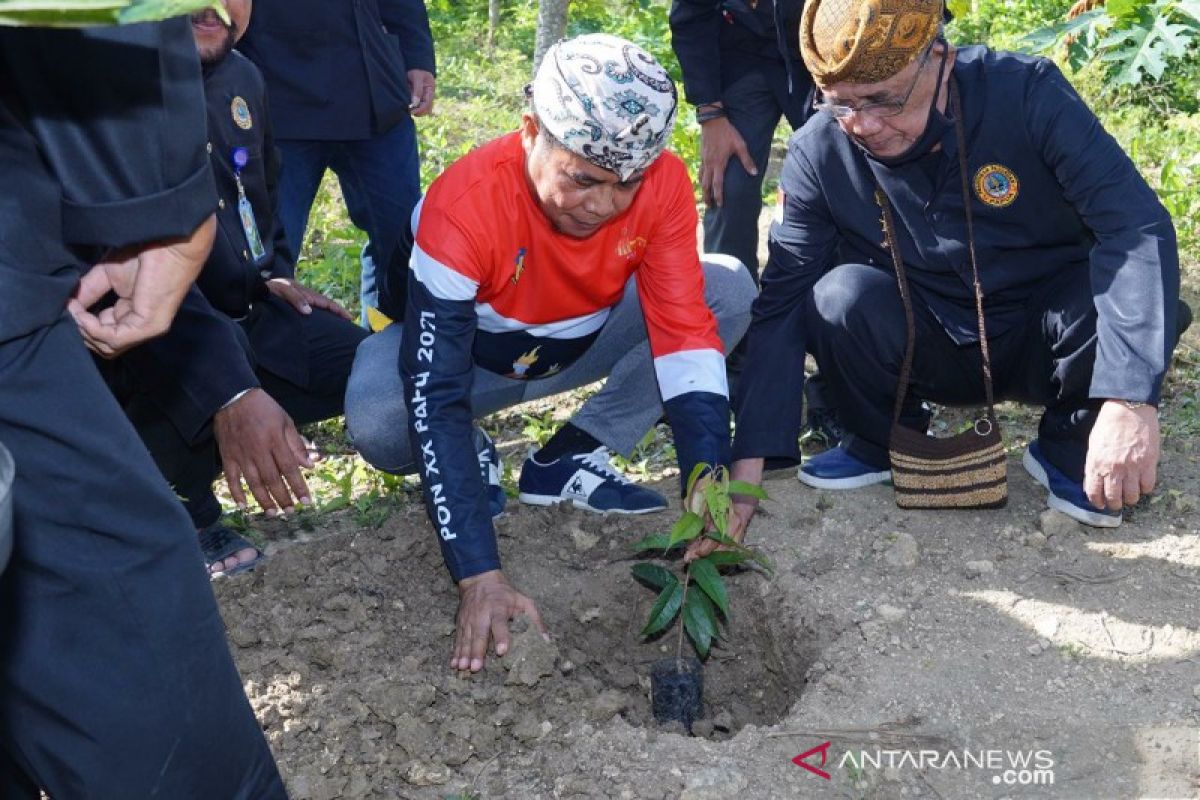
(889, 231)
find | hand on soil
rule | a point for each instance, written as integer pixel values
(1122, 456)
(486, 604)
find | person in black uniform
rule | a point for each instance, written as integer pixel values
(1077, 262)
(252, 353)
(116, 680)
(346, 80)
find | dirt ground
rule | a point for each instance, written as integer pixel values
(949, 655)
(882, 632)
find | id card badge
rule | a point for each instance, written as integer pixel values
(250, 225)
(240, 158)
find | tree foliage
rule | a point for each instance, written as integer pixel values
(88, 13)
(1135, 40)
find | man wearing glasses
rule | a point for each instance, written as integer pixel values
(1077, 259)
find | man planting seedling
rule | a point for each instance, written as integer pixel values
(550, 258)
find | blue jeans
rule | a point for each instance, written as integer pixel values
(381, 183)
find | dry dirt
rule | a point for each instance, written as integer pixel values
(881, 630)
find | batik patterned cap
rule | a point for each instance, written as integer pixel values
(865, 41)
(607, 100)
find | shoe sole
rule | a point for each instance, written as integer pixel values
(553, 499)
(1089, 518)
(857, 482)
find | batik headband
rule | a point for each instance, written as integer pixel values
(606, 100)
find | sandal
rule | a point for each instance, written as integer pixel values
(218, 543)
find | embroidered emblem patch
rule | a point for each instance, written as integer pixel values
(520, 266)
(996, 185)
(241, 114)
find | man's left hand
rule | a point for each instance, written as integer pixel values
(304, 299)
(1122, 456)
(423, 86)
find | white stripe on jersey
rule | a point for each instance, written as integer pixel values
(691, 371)
(442, 282)
(492, 321)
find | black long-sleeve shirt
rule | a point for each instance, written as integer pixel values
(101, 146)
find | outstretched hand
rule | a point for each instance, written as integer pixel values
(1122, 455)
(259, 442)
(304, 299)
(486, 603)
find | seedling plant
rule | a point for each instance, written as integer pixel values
(699, 593)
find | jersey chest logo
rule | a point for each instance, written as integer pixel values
(996, 185)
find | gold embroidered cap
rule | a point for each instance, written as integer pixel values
(865, 41)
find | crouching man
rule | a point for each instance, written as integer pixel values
(1076, 259)
(550, 258)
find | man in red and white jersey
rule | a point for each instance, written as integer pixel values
(558, 255)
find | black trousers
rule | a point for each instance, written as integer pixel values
(755, 95)
(191, 466)
(116, 682)
(855, 329)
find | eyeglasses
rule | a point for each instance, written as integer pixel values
(879, 109)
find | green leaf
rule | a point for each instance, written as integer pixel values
(655, 541)
(705, 574)
(716, 499)
(1043, 39)
(687, 528)
(750, 552)
(727, 558)
(653, 574)
(665, 608)
(697, 471)
(748, 489)
(700, 622)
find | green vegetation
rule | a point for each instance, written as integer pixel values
(84, 13)
(1156, 118)
(708, 499)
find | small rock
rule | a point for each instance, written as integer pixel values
(974, 569)
(588, 614)
(607, 705)
(1056, 523)
(1035, 539)
(714, 783)
(427, 774)
(723, 722)
(584, 541)
(1034, 650)
(530, 729)
(244, 635)
(703, 728)
(1185, 503)
(903, 553)
(889, 613)
(1044, 644)
(529, 658)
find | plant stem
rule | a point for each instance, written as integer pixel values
(687, 583)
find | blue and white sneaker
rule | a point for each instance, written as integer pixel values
(587, 481)
(1066, 495)
(837, 469)
(489, 470)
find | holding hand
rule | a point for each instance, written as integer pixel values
(748, 470)
(486, 603)
(259, 442)
(1122, 455)
(149, 280)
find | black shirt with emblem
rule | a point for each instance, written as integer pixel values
(1051, 192)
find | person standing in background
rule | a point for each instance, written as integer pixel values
(344, 81)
